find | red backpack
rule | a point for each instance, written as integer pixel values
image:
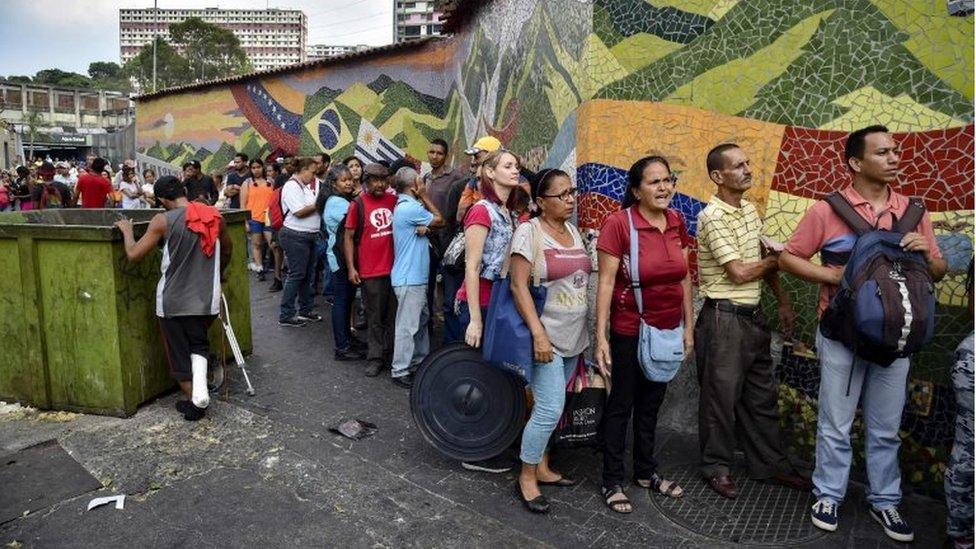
(276, 213)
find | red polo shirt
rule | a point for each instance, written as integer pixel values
(661, 268)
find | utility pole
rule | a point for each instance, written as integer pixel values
(155, 23)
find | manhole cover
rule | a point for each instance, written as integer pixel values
(763, 514)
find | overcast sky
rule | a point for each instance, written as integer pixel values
(70, 34)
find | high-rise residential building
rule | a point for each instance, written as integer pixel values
(416, 20)
(321, 51)
(270, 38)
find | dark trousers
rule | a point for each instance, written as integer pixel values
(381, 308)
(738, 394)
(630, 392)
(344, 292)
(451, 281)
(299, 250)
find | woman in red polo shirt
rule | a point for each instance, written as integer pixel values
(665, 284)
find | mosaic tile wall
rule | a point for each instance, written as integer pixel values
(787, 80)
(592, 86)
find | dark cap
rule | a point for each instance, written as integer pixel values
(194, 163)
(376, 170)
(169, 187)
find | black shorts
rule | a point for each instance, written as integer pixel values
(184, 336)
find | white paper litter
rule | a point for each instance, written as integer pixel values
(97, 502)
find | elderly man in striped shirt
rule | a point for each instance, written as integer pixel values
(735, 369)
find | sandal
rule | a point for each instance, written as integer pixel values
(621, 506)
(662, 486)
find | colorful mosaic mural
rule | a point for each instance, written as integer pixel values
(591, 87)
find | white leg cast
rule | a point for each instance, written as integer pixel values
(201, 398)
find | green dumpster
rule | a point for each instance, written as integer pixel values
(78, 320)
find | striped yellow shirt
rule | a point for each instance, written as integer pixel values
(727, 233)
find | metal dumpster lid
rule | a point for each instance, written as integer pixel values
(465, 408)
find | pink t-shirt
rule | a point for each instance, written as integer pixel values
(477, 215)
(822, 230)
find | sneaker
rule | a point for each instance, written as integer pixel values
(373, 369)
(894, 526)
(261, 277)
(404, 381)
(350, 354)
(824, 515)
(293, 322)
(254, 267)
(309, 317)
(276, 286)
(496, 465)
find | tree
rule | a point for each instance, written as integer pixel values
(172, 69)
(19, 79)
(58, 77)
(213, 52)
(106, 75)
(33, 121)
(100, 70)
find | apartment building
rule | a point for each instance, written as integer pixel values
(416, 20)
(321, 51)
(270, 38)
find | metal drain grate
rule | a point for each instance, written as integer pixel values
(763, 514)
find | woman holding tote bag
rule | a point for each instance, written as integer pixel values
(549, 250)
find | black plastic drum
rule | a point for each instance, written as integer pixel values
(465, 408)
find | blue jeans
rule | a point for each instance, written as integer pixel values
(299, 251)
(328, 285)
(411, 342)
(464, 318)
(881, 392)
(342, 308)
(451, 281)
(548, 395)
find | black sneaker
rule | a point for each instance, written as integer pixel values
(350, 354)
(276, 286)
(309, 317)
(261, 277)
(291, 322)
(404, 381)
(193, 413)
(894, 526)
(496, 465)
(823, 515)
(373, 369)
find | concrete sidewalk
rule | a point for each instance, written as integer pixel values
(265, 471)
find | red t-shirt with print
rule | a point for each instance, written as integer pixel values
(661, 267)
(376, 244)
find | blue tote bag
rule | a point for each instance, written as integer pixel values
(660, 352)
(507, 341)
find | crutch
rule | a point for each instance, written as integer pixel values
(235, 347)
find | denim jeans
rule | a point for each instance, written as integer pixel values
(328, 285)
(451, 281)
(299, 251)
(342, 309)
(548, 396)
(881, 392)
(464, 318)
(411, 342)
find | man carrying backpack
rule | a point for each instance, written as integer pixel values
(895, 265)
(368, 247)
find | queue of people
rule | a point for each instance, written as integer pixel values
(399, 243)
